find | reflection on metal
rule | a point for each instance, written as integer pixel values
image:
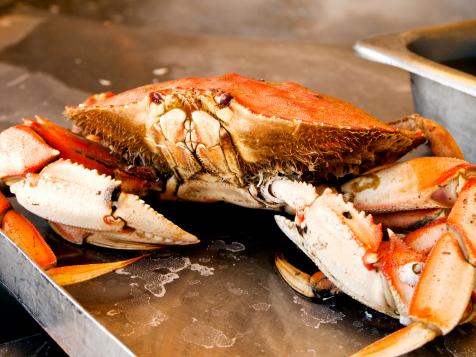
(65, 320)
(441, 92)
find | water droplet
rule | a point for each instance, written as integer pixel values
(160, 71)
(104, 82)
(113, 312)
(206, 336)
(261, 306)
(202, 269)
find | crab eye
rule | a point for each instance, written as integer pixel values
(410, 273)
(223, 99)
(156, 97)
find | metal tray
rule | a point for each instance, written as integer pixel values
(221, 297)
(440, 91)
(53, 308)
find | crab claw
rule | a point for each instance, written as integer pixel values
(422, 183)
(95, 204)
(341, 241)
(401, 266)
(431, 294)
(441, 297)
(24, 234)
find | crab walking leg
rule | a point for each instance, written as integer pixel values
(441, 142)
(118, 240)
(410, 220)
(25, 235)
(438, 304)
(461, 219)
(316, 286)
(74, 274)
(23, 151)
(94, 203)
(423, 240)
(410, 337)
(444, 289)
(73, 147)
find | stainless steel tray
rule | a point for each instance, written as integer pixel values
(440, 91)
(53, 308)
(221, 297)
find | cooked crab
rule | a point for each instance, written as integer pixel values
(263, 145)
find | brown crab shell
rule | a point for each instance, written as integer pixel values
(276, 127)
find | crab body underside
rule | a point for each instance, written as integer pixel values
(262, 145)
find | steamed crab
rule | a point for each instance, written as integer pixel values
(260, 145)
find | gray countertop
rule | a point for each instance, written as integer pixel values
(222, 296)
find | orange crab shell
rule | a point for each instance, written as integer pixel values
(276, 127)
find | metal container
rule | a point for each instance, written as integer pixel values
(53, 308)
(442, 65)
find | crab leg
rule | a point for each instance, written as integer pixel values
(84, 204)
(95, 204)
(341, 241)
(461, 220)
(316, 286)
(410, 220)
(422, 183)
(438, 304)
(92, 155)
(441, 142)
(422, 240)
(74, 147)
(74, 274)
(444, 289)
(431, 294)
(26, 236)
(23, 151)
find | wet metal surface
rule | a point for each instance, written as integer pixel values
(70, 325)
(95, 57)
(221, 297)
(312, 21)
